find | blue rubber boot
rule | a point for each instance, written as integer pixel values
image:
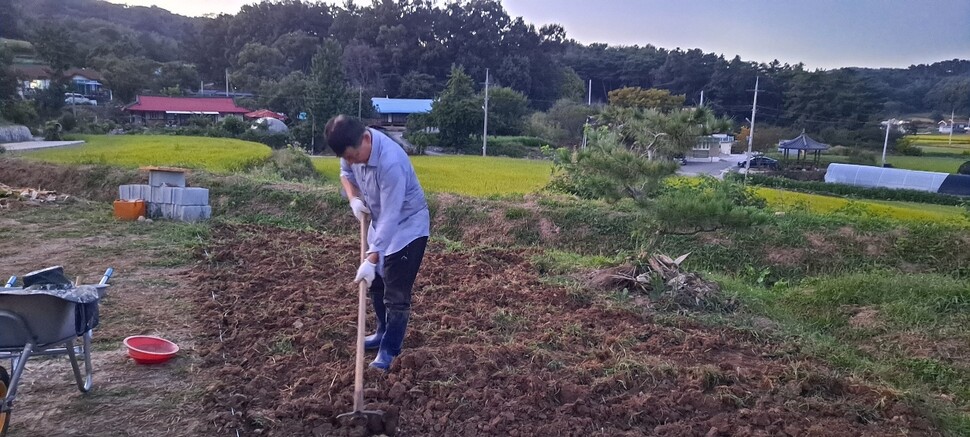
(373, 341)
(397, 324)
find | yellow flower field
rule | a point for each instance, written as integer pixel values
(218, 155)
(906, 211)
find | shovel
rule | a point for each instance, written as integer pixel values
(373, 418)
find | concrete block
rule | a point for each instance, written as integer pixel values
(168, 211)
(134, 192)
(154, 210)
(158, 178)
(193, 196)
(192, 213)
(163, 194)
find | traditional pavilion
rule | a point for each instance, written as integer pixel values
(802, 144)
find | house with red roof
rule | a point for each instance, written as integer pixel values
(178, 110)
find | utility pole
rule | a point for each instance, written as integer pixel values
(360, 96)
(485, 131)
(952, 126)
(227, 82)
(589, 102)
(702, 97)
(201, 87)
(885, 142)
(754, 110)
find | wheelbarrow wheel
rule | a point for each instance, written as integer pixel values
(4, 416)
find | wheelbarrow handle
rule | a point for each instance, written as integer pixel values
(11, 281)
(107, 275)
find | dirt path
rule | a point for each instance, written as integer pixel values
(146, 297)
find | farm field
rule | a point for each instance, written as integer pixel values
(467, 175)
(961, 140)
(507, 328)
(928, 163)
(217, 155)
(905, 211)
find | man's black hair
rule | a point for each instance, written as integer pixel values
(344, 131)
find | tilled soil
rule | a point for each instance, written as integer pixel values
(492, 350)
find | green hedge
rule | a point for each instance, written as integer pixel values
(850, 190)
(514, 147)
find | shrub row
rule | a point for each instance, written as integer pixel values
(513, 147)
(850, 190)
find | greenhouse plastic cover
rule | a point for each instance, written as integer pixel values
(869, 176)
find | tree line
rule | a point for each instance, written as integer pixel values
(408, 48)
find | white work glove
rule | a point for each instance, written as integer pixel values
(359, 208)
(366, 272)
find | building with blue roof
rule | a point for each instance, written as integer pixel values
(396, 111)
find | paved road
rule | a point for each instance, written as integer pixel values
(717, 169)
(34, 145)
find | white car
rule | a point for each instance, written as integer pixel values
(77, 99)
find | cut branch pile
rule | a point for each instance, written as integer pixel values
(662, 279)
(34, 196)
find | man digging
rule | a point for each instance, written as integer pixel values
(379, 180)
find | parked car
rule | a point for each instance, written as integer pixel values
(760, 162)
(78, 99)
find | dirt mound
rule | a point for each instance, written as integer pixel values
(86, 181)
(491, 350)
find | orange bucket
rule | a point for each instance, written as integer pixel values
(129, 209)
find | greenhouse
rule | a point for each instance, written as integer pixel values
(869, 176)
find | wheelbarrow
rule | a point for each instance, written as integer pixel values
(48, 315)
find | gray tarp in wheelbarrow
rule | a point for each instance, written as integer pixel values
(46, 317)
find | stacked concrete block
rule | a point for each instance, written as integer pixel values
(166, 196)
(134, 192)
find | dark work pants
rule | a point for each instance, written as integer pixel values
(391, 289)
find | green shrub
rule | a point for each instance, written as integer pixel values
(856, 155)
(52, 131)
(850, 190)
(513, 147)
(68, 122)
(273, 140)
(421, 140)
(200, 121)
(905, 147)
(19, 112)
(234, 125)
(291, 164)
(964, 168)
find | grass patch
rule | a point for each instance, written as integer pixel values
(218, 155)
(910, 331)
(928, 163)
(468, 175)
(557, 262)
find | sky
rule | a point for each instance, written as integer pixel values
(819, 33)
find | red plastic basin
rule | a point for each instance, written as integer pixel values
(147, 349)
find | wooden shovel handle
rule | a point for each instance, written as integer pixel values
(361, 320)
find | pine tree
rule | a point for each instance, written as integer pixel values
(328, 95)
